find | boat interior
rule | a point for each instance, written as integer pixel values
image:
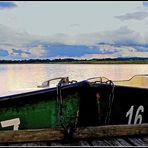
(140, 81)
(135, 81)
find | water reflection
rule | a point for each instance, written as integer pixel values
(19, 76)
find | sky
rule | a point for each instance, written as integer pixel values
(74, 29)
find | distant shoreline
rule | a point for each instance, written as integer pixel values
(71, 61)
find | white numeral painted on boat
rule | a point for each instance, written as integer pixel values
(13, 122)
(130, 114)
(138, 116)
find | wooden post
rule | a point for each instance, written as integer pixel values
(37, 135)
(111, 131)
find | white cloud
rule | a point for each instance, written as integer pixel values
(113, 51)
(114, 48)
(133, 16)
(20, 41)
(12, 38)
(25, 56)
(31, 24)
(49, 17)
(123, 35)
(67, 57)
(117, 54)
(37, 52)
(133, 54)
(118, 42)
(99, 56)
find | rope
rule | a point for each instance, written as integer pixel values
(60, 105)
(68, 130)
(111, 99)
(111, 96)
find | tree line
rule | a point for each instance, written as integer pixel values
(71, 60)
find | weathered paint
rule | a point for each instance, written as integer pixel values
(99, 106)
(43, 114)
(12, 122)
(40, 109)
(90, 101)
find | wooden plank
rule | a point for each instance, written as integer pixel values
(68, 143)
(118, 142)
(123, 142)
(31, 135)
(142, 141)
(83, 143)
(137, 142)
(100, 143)
(145, 138)
(111, 131)
(29, 144)
(55, 144)
(108, 142)
(80, 133)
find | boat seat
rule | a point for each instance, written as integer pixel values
(135, 81)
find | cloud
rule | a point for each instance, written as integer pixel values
(122, 35)
(122, 53)
(20, 44)
(114, 48)
(7, 5)
(133, 16)
(15, 39)
(98, 56)
(37, 52)
(116, 55)
(10, 38)
(120, 42)
(24, 53)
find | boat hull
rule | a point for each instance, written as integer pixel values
(130, 106)
(111, 104)
(40, 109)
(83, 104)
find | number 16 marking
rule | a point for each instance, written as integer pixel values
(138, 117)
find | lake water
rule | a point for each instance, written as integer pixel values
(21, 76)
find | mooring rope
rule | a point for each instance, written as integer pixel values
(111, 95)
(111, 99)
(69, 129)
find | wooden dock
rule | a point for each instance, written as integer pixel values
(117, 141)
(110, 135)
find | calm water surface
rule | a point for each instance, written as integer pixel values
(19, 76)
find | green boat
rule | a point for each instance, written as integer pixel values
(92, 102)
(43, 107)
